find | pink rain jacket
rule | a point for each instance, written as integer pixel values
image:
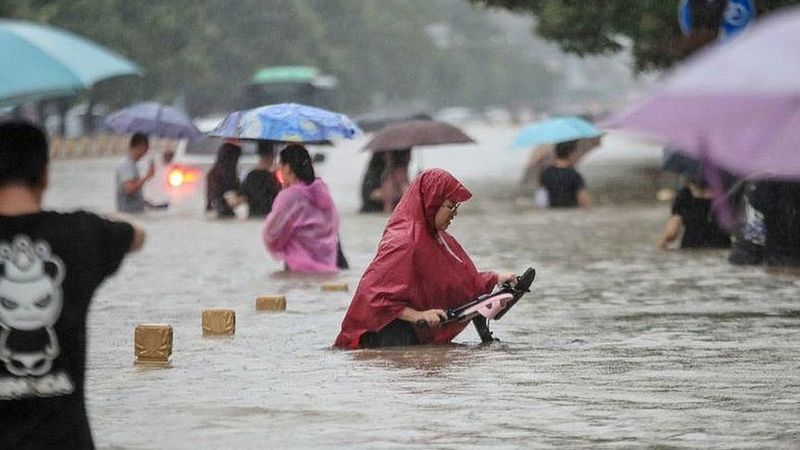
(416, 266)
(302, 228)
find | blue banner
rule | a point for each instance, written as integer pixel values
(685, 17)
(739, 14)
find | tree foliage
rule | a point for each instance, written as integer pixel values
(205, 51)
(650, 27)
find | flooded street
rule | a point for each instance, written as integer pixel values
(619, 345)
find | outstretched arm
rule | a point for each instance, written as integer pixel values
(584, 199)
(138, 238)
(671, 231)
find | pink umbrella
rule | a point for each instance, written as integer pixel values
(736, 105)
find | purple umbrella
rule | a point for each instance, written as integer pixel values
(736, 105)
(153, 119)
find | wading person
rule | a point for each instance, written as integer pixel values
(371, 197)
(223, 178)
(385, 180)
(260, 186)
(779, 201)
(564, 185)
(129, 183)
(394, 182)
(419, 271)
(50, 266)
(301, 230)
(692, 213)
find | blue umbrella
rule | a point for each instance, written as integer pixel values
(287, 122)
(41, 62)
(229, 127)
(153, 119)
(553, 131)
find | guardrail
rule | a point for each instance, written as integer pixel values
(98, 146)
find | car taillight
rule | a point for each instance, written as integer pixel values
(176, 177)
(191, 176)
(179, 176)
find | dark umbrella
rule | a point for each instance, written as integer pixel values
(414, 133)
(368, 124)
(153, 119)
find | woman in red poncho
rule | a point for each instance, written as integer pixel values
(419, 271)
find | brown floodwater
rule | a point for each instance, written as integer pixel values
(618, 346)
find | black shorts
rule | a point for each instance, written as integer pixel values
(397, 333)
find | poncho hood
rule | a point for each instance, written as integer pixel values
(425, 196)
(316, 192)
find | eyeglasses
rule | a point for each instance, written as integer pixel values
(452, 208)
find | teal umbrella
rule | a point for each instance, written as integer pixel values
(41, 62)
(555, 130)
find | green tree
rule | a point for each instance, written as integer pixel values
(206, 51)
(607, 26)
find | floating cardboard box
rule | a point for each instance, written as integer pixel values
(219, 322)
(334, 287)
(271, 303)
(153, 344)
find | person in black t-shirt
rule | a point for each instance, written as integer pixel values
(779, 201)
(260, 186)
(565, 186)
(50, 266)
(692, 212)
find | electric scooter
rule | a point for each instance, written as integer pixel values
(489, 306)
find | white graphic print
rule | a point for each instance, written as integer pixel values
(30, 303)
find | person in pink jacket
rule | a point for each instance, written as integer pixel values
(302, 228)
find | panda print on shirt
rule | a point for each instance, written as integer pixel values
(31, 299)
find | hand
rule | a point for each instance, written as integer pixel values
(151, 170)
(232, 198)
(432, 317)
(509, 277)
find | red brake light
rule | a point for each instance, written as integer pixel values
(181, 175)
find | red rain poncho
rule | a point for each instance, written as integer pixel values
(416, 266)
